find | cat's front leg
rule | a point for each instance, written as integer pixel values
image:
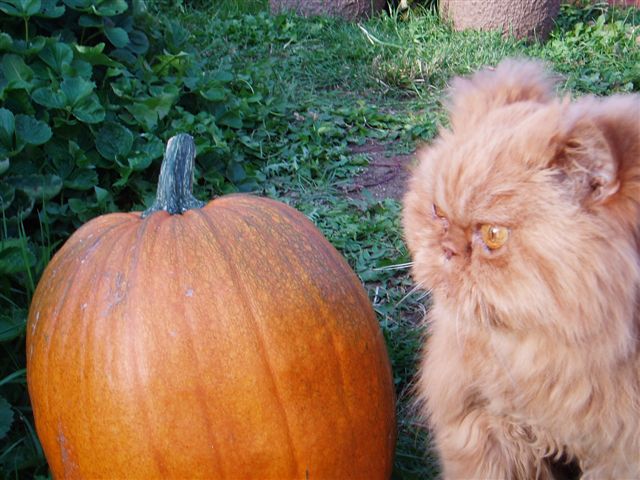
(467, 450)
(480, 446)
(473, 443)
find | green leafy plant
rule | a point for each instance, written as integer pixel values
(89, 93)
(597, 48)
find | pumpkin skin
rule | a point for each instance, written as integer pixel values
(232, 341)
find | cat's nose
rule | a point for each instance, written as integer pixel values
(449, 250)
(455, 243)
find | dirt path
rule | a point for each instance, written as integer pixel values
(384, 177)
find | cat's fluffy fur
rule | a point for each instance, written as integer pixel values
(534, 348)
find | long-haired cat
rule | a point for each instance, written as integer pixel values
(523, 219)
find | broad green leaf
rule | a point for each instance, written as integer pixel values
(150, 145)
(117, 36)
(125, 21)
(80, 156)
(114, 141)
(193, 82)
(139, 162)
(235, 172)
(51, 9)
(176, 36)
(146, 116)
(79, 68)
(92, 159)
(147, 148)
(7, 194)
(76, 95)
(20, 8)
(9, 9)
(161, 104)
(30, 7)
(4, 165)
(79, 4)
(76, 89)
(101, 194)
(109, 8)
(231, 119)
(6, 417)
(12, 324)
(139, 7)
(7, 128)
(46, 97)
(18, 73)
(214, 94)
(90, 21)
(89, 110)
(5, 41)
(84, 179)
(60, 158)
(115, 72)
(163, 99)
(138, 42)
(125, 173)
(57, 56)
(223, 76)
(26, 49)
(31, 131)
(18, 100)
(122, 88)
(94, 55)
(78, 206)
(21, 206)
(37, 187)
(15, 256)
(124, 55)
(167, 62)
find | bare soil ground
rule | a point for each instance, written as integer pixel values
(385, 176)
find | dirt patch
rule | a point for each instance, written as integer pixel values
(385, 176)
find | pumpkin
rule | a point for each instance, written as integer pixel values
(223, 341)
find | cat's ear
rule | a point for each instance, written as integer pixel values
(586, 163)
(513, 80)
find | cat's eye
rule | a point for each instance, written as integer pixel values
(494, 236)
(437, 213)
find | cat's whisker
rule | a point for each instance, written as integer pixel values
(398, 266)
(376, 296)
(417, 287)
(424, 295)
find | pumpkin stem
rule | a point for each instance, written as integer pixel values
(176, 178)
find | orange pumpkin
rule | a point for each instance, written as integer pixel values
(223, 341)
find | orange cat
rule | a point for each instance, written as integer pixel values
(523, 219)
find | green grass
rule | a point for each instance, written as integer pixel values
(384, 80)
(323, 85)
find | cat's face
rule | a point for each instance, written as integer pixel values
(502, 228)
(482, 216)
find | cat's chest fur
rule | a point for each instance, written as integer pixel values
(528, 379)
